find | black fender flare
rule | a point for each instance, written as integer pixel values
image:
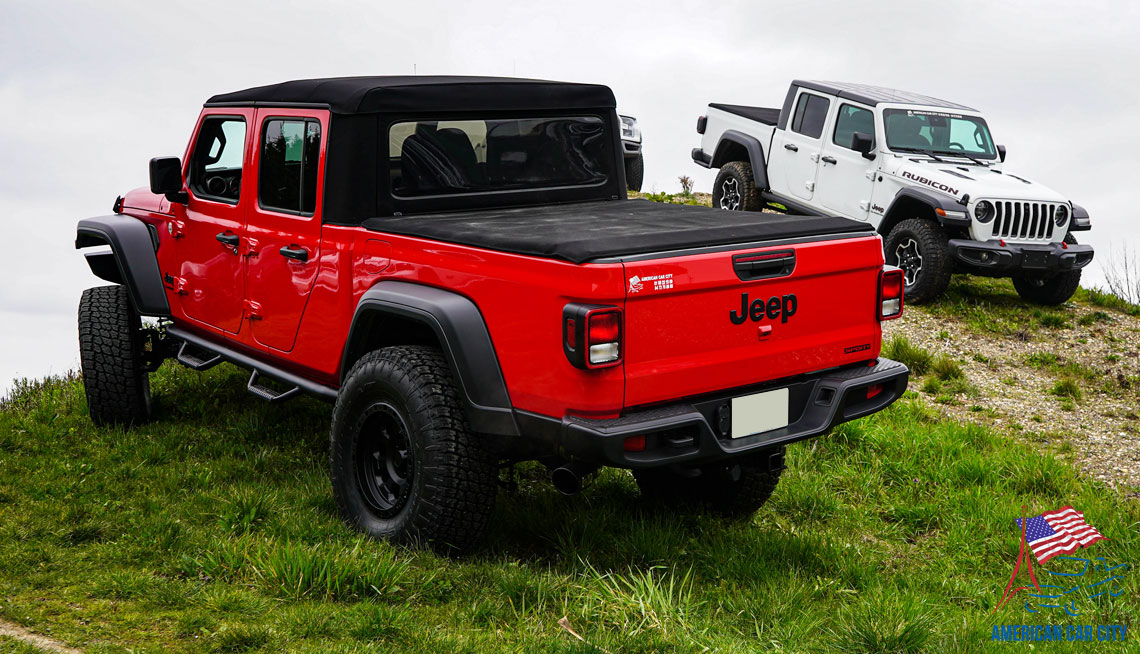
(934, 201)
(458, 325)
(131, 262)
(755, 155)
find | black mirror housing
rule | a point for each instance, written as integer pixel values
(166, 178)
(1001, 152)
(863, 143)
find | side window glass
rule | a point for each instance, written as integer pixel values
(811, 113)
(852, 119)
(287, 172)
(215, 162)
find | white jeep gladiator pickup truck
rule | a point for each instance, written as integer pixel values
(924, 172)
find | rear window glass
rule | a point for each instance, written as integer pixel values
(439, 157)
(811, 113)
(287, 174)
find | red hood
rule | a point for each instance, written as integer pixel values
(143, 200)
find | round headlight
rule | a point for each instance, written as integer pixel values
(1061, 215)
(984, 211)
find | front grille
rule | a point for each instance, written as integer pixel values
(1024, 220)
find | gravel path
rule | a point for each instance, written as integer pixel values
(1102, 429)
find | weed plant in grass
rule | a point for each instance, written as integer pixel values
(915, 357)
(213, 529)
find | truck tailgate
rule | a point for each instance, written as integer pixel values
(685, 333)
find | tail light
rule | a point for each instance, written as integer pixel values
(592, 335)
(701, 122)
(890, 293)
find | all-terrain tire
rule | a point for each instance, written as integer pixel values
(634, 173)
(734, 188)
(737, 488)
(449, 479)
(1049, 291)
(115, 379)
(928, 277)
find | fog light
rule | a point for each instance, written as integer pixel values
(873, 390)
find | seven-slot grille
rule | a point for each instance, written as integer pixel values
(1024, 220)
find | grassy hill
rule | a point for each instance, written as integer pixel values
(214, 529)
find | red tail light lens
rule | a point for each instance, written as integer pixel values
(890, 293)
(592, 335)
(634, 443)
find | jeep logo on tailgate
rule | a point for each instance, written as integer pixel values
(775, 307)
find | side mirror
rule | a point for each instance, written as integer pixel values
(863, 143)
(1001, 152)
(166, 178)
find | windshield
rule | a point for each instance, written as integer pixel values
(435, 157)
(938, 131)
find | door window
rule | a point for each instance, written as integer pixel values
(287, 171)
(811, 113)
(215, 163)
(852, 119)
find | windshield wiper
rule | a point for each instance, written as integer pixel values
(964, 155)
(929, 153)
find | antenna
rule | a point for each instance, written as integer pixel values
(414, 70)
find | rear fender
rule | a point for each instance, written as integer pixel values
(402, 313)
(735, 145)
(131, 261)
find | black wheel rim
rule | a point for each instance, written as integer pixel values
(909, 258)
(730, 194)
(384, 465)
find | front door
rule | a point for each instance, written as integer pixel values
(208, 227)
(845, 178)
(283, 231)
(798, 156)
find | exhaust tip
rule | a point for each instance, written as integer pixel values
(565, 480)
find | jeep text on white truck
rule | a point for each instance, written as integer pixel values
(934, 187)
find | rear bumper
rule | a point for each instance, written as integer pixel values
(993, 257)
(697, 432)
(700, 158)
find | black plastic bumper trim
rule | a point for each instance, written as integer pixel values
(690, 433)
(700, 158)
(993, 256)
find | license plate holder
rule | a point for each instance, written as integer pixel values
(1037, 259)
(759, 412)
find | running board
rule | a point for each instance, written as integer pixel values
(258, 368)
(194, 363)
(266, 393)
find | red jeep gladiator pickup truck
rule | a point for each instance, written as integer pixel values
(454, 262)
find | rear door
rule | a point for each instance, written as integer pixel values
(283, 230)
(694, 326)
(798, 155)
(206, 230)
(845, 179)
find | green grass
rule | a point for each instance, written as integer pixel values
(213, 529)
(992, 306)
(1106, 300)
(917, 358)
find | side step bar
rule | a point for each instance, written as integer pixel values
(258, 369)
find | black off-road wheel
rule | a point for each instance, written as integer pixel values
(403, 462)
(920, 248)
(737, 488)
(734, 189)
(1046, 289)
(634, 173)
(111, 357)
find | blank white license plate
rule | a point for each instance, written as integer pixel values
(761, 412)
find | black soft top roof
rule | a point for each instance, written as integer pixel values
(588, 231)
(362, 95)
(876, 95)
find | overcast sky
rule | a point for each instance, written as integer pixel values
(90, 91)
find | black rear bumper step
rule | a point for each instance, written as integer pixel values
(258, 368)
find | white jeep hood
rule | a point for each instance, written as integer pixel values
(957, 179)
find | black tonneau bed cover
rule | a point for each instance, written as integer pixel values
(588, 231)
(764, 115)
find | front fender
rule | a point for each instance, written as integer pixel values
(133, 248)
(948, 211)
